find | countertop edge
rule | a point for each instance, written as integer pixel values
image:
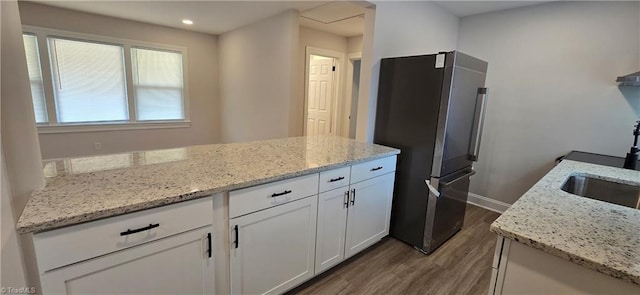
(34, 228)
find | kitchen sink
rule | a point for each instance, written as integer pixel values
(603, 190)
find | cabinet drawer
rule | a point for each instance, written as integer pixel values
(71, 244)
(334, 178)
(174, 265)
(251, 199)
(373, 168)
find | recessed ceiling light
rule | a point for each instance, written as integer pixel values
(187, 22)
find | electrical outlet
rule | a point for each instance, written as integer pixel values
(98, 146)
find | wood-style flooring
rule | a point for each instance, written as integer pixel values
(460, 266)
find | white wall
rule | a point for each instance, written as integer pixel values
(354, 44)
(202, 83)
(12, 273)
(400, 28)
(258, 64)
(551, 79)
(19, 135)
(315, 38)
(21, 170)
(318, 39)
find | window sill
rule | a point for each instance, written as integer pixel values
(75, 128)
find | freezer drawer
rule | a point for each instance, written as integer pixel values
(446, 208)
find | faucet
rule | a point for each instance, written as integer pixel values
(631, 162)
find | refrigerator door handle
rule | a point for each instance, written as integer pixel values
(467, 175)
(476, 132)
(432, 189)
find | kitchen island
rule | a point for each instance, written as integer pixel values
(222, 218)
(89, 188)
(547, 224)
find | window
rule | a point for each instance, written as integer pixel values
(88, 81)
(157, 79)
(35, 77)
(104, 83)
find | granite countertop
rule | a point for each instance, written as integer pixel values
(85, 189)
(595, 234)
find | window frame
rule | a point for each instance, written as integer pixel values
(41, 82)
(53, 126)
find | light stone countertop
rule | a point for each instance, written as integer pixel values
(595, 234)
(85, 189)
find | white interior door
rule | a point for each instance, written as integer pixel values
(319, 97)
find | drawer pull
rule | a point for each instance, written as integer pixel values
(281, 194)
(376, 169)
(336, 179)
(133, 231)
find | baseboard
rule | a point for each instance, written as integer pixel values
(487, 203)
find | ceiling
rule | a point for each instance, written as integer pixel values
(217, 17)
(213, 17)
(466, 8)
(340, 18)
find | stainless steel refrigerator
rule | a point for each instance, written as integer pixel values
(432, 108)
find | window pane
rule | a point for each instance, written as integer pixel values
(89, 81)
(157, 78)
(35, 77)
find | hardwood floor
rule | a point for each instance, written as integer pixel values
(460, 266)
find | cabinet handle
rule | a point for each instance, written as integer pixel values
(209, 249)
(377, 168)
(237, 241)
(346, 200)
(336, 179)
(353, 197)
(280, 194)
(137, 230)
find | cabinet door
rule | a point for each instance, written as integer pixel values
(332, 222)
(369, 213)
(178, 264)
(273, 250)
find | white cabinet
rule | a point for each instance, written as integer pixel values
(147, 252)
(273, 250)
(378, 167)
(520, 269)
(335, 178)
(251, 199)
(354, 217)
(179, 264)
(332, 226)
(369, 213)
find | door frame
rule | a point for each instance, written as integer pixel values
(351, 57)
(335, 95)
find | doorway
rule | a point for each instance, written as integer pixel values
(321, 94)
(352, 93)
